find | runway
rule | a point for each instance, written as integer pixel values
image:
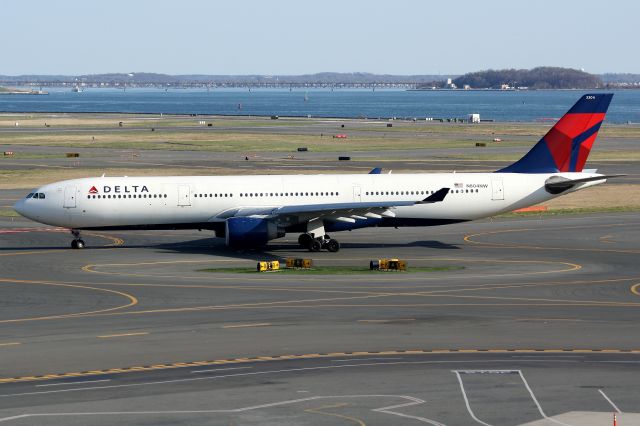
(531, 318)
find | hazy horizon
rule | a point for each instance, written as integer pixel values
(286, 37)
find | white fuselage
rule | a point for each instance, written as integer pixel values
(195, 201)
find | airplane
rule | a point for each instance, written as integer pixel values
(249, 211)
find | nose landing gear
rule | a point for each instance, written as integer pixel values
(77, 242)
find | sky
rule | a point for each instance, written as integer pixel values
(290, 37)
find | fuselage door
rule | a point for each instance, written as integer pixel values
(184, 195)
(497, 189)
(357, 193)
(69, 197)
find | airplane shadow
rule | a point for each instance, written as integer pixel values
(217, 247)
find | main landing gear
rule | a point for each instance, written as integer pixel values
(77, 242)
(308, 241)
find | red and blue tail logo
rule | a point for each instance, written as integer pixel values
(566, 146)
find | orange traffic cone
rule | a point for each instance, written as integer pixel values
(615, 419)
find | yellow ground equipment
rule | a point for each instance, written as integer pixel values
(299, 263)
(273, 265)
(388, 265)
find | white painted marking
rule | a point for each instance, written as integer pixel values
(416, 401)
(387, 410)
(466, 400)
(220, 369)
(72, 383)
(548, 356)
(191, 379)
(615, 407)
(365, 359)
(535, 400)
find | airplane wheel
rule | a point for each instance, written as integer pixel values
(333, 246)
(74, 244)
(304, 240)
(80, 244)
(315, 245)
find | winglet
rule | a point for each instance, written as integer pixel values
(436, 197)
(376, 171)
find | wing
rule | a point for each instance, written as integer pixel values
(340, 212)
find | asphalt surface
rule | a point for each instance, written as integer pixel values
(523, 319)
(532, 318)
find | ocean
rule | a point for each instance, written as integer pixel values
(516, 106)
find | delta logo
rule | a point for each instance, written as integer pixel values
(120, 189)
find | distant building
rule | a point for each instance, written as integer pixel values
(474, 118)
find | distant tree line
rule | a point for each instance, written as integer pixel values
(536, 78)
(620, 78)
(144, 77)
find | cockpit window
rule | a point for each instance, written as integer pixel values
(41, 195)
(30, 195)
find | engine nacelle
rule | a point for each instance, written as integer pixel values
(250, 231)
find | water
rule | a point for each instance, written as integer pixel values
(496, 105)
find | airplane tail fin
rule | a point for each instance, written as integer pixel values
(566, 146)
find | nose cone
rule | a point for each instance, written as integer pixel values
(19, 207)
(24, 209)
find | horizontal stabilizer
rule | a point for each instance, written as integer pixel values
(436, 197)
(558, 184)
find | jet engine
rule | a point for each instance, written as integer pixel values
(251, 231)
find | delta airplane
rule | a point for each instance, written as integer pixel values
(249, 211)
